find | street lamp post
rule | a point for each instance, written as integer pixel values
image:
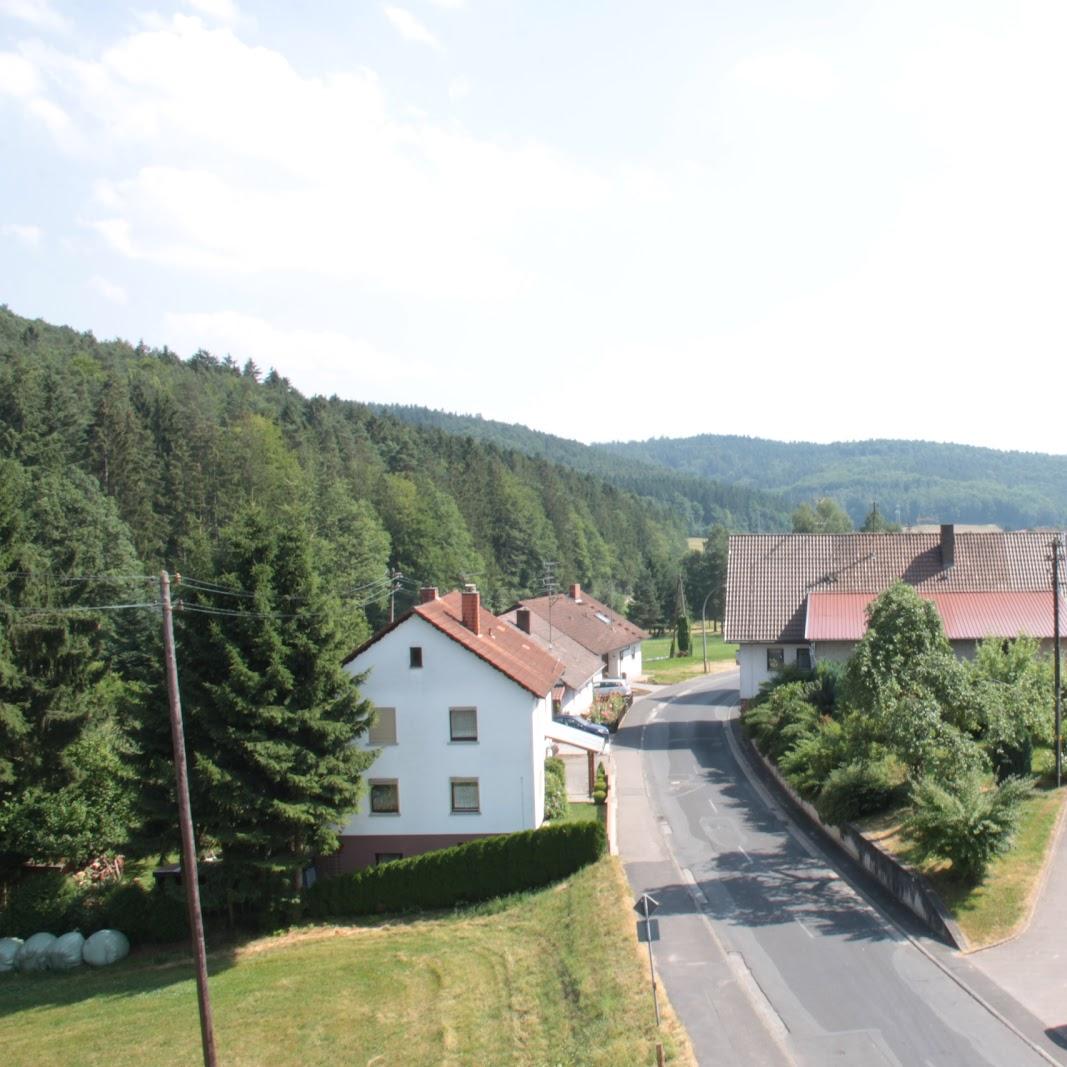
(704, 629)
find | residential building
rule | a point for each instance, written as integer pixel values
(594, 626)
(463, 705)
(796, 598)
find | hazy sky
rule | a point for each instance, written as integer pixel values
(601, 218)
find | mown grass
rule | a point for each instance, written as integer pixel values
(552, 977)
(584, 811)
(996, 908)
(661, 670)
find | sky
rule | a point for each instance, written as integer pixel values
(834, 220)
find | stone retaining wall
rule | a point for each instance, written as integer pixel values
(911, 889)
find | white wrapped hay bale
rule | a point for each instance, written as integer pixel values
(105, 947)
(9, 947)
(65, 952)
(33, 952)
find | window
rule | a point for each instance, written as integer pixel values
(383, 729)
(463, 724)
(384, 797)
(775, 659)
(464, 796)
(804, 659)
(387, 857)
(415, 656)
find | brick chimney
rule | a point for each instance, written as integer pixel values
(522, 619)
(471, 611)
(576, 593)
(948, 545)
(427, 593)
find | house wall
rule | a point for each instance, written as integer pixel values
(753, 664)
(575, 701)
(507, 759)
(624, 663)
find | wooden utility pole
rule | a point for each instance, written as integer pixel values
(190, 876)
(1056, 643)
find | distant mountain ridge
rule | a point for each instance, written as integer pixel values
(699, 501)
(753, 483)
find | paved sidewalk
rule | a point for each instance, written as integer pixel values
(1033, 966)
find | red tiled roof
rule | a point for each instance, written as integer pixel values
(589, 622)
(770, 576)
(502, 646)
(965, 616)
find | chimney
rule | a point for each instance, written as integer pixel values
(576, 593)
(427, 593)
(472, 604)
(522, 619)
(948, 545)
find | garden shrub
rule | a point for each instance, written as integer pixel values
(809, 763)
(467, 874)
(555, 788)
(782, 720)
(40, 902)
(859, 788)
(965, 823)
(600, 785)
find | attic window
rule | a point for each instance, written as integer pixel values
(603, 618)
(415, 656)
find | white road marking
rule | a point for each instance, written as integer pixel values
(804, 928)
(713, 808)
(748, 858)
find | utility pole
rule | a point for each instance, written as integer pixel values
(394, 578)
(1056, 642)
(190, 875)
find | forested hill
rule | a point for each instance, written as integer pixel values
(699, 501)
(119, 457)
(925, 481)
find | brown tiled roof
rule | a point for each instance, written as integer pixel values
(499, 644)
(580, 665)
(769, 576)
(589, 622)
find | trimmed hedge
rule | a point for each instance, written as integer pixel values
(467, 874)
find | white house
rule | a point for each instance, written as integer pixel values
(594, 626)
(463, 706)
(792, 599)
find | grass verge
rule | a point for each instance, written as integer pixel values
(542, 978)
(661, 670)
(997, 908)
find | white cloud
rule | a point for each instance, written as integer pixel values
(18, 76)
(38, 13)
(408, 26)
(793, 73)
(317, 361)
(108, 290)
(30, 236)
(220, 10)
(459, 88)
(450, 5)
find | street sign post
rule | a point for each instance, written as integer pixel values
(646, 907)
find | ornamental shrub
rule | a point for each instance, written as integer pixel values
(555, 788)
(467, 874)
(965, 823)
(782, 720)
(38, 903)
(859, 788)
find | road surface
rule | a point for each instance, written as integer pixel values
(767, 953)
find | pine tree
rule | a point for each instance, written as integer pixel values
(272, 715)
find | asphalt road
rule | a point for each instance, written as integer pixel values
(768, 955)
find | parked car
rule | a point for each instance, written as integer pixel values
(578, 723)
(608, 687)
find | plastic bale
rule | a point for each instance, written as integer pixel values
(33, 952)
(105, 947)
(65, 953)
(9, 947)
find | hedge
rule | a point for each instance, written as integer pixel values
(466, 874)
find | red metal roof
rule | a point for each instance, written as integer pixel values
(965, 616)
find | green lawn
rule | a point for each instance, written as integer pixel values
(661, 670)
(584, 811)
(995, 909)
(553, 977)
